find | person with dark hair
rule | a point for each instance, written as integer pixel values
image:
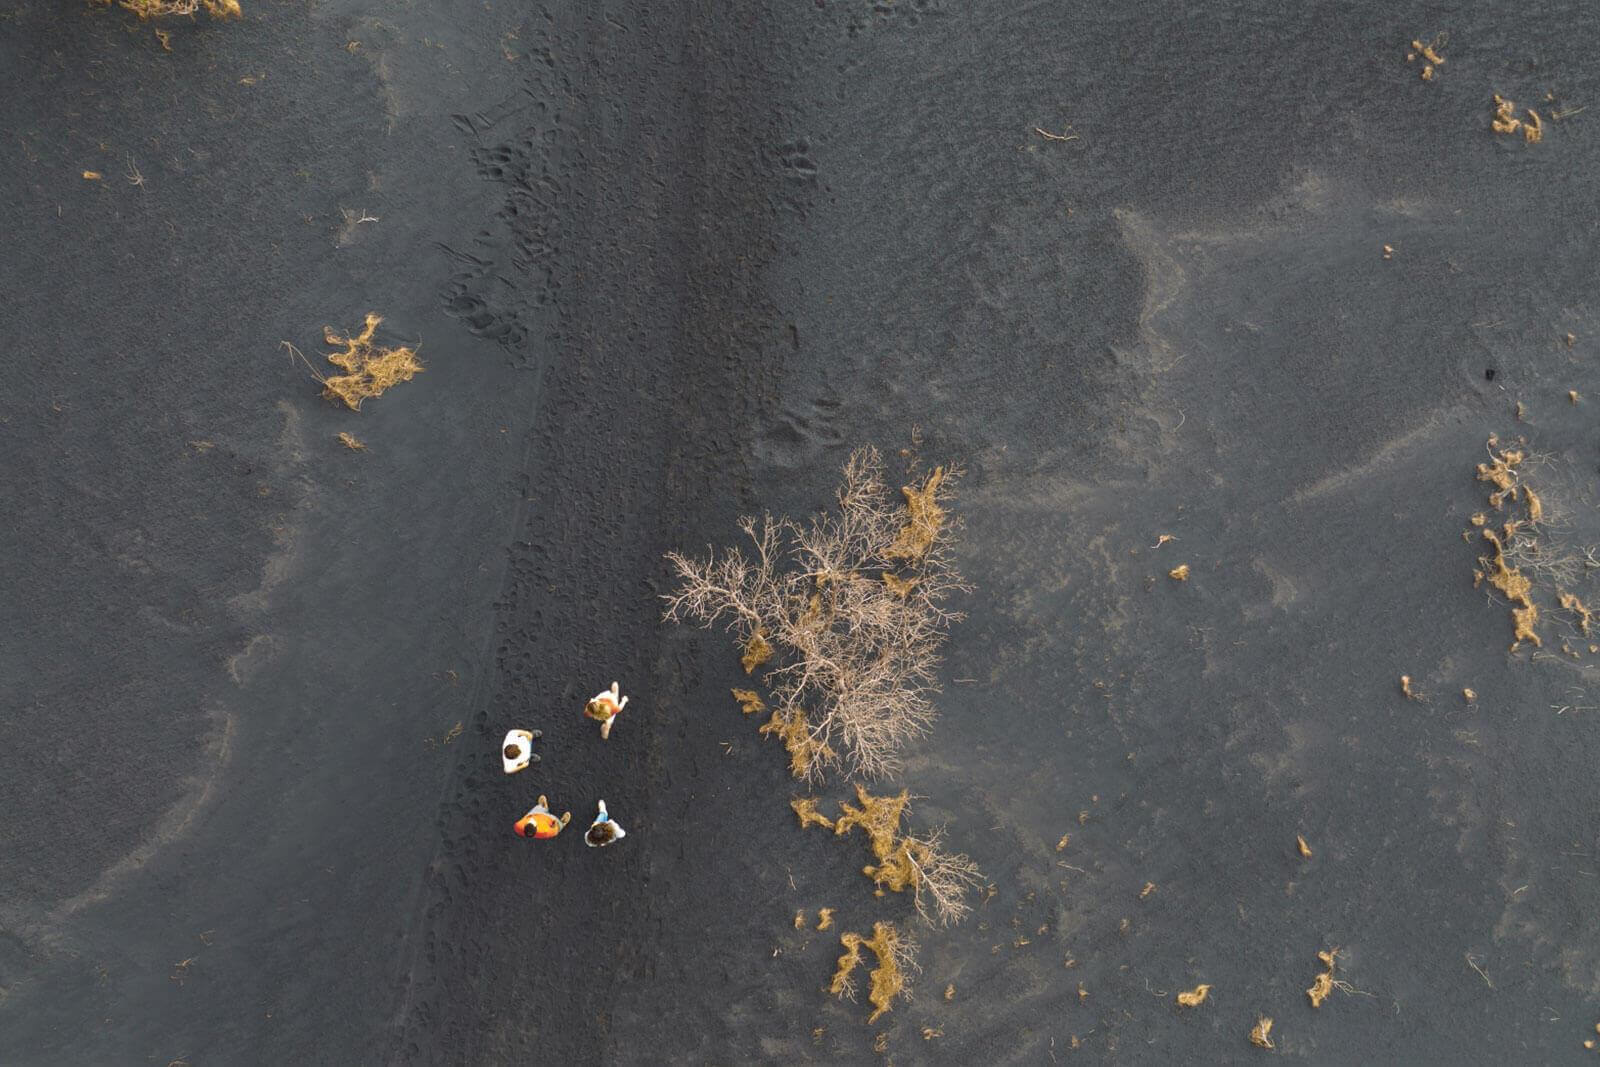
(604, 830)
(539, 823)
(604, 707)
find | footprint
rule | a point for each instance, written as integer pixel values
(795, 162)
(801, 433)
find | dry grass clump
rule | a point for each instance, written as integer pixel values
(1432, 58)
(939, 881)
(1260, 1034)
(1503, 472)
(1195, 997)
(370, 369)
(1324, 982)
(158, 9)
(1570, 602)
(1518, 554)
(757, 651)
(846, 612)
(1513, 584)
(805, 750)
(924, 519)
(896, 956)
(1505, 121)
(806, 809)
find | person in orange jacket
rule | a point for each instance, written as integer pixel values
(539, 823)
(604, 707)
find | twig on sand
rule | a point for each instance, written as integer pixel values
(1063, 136)
(295, 353)
(1481, 972)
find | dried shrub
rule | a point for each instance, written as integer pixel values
(1524, 553)
(846, 612)
(1432, 58)
(805, 750)
(1512, 583)
(370, 369)
(939, 881)
(806, 809)
(878, 817)
(1505, 120)
(757, 651)
(896, 956)
(1324, 982)
(844, 975)
(924, 519)
(158, 9)
(1570, 602)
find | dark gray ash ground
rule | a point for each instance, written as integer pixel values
(668, 264)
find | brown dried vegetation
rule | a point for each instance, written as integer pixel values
(1323, 984)
(924, 519)
(156, 9)
(896, 956)
(756, 651)
(1505, 121)
(1432, 58)
(805, 751)
(806, 809)
(939, 880)
(370, 369)
(1513, 547)
(850, 656)
(1571, 602)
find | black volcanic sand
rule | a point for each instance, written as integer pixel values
(668, 264)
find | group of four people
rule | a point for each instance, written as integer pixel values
(517, 753)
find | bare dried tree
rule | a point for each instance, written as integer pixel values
(943, 879)
(939, 880)
(846, 613)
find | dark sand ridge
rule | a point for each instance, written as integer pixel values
(718, 251)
